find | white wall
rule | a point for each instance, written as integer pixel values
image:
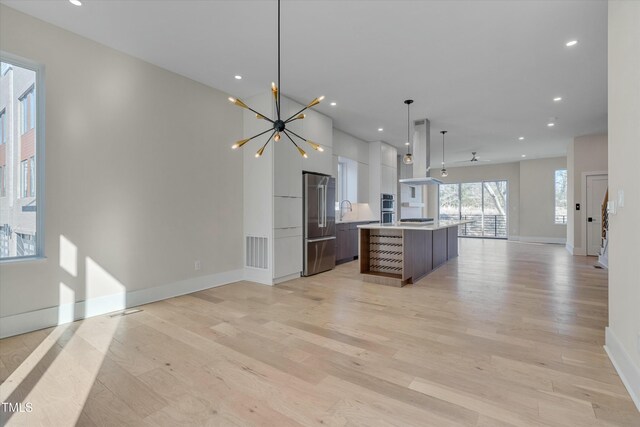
(623, 333)
(586, 153)
(140, 180)
(537, 200)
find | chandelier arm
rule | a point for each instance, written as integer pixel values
(290, 118)
(260, 114)
(286, 132)
(289, 130)
(260, 134)
(268, 140)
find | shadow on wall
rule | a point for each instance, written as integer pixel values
(41, 383)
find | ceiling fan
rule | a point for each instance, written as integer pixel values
(474, 158)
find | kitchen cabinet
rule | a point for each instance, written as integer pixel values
(389, 183)
(319, 129)
(347, 241)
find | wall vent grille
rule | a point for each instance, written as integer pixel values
(257, 255)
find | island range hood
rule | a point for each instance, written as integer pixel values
(422, 143)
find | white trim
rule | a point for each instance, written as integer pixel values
(282, 279)
(579, 251)
(541, 239)
(57, 315)
(569, 248)
(583, 195)
(629, 372)
(258, 275)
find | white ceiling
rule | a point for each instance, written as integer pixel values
(486, 71)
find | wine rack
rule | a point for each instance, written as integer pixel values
(385, 252)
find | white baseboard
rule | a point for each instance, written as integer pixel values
(286, 278)
(65, 313)
(629, 373)
(258, 275)
(580, 251)
(569, 248)
(537, 239)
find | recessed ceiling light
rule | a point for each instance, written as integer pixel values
(380, 129)
(238, 77)
(521, 138)
(572, 43)
(75, 2)
(333, 104)
(551, 124)
(524, 155)
(557, 99)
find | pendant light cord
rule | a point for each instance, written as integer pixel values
(279, 87)
(408, 127)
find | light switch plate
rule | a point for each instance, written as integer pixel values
(621, 198)
(611, 207)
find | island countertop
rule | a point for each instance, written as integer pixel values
(436, 225)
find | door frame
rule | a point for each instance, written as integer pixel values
(583, 201)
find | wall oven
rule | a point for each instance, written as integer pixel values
(387, 209)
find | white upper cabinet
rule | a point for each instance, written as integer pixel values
(318, 128)
(287, 165)
(389, 182)
(388, 156)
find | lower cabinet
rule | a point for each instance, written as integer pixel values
(347, 241)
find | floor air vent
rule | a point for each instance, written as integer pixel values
(125, 313)
(257, 252)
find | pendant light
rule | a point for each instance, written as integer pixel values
(443, 171)
(278, 125)
(408, 158)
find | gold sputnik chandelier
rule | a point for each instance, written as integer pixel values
(278, 126)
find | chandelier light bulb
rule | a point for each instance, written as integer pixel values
(277, 137)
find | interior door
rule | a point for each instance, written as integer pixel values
(596, 190)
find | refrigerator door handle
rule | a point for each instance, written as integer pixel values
(321, 239)
(321, 209)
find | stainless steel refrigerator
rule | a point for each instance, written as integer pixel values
(319, 192)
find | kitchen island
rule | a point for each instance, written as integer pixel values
(399, 254)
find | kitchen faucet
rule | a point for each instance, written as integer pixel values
(350, 208)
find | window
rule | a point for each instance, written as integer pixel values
(28, 110)
(4, 241)
(26, 244)
(561, 196)
(32, 176)
(484, 203)
(3, 126)
(21, 217)
(24, 173)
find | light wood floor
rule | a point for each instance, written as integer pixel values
(507, 334)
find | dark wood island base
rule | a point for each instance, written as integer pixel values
(397, 255)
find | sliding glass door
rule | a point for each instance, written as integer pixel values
(484, 203)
